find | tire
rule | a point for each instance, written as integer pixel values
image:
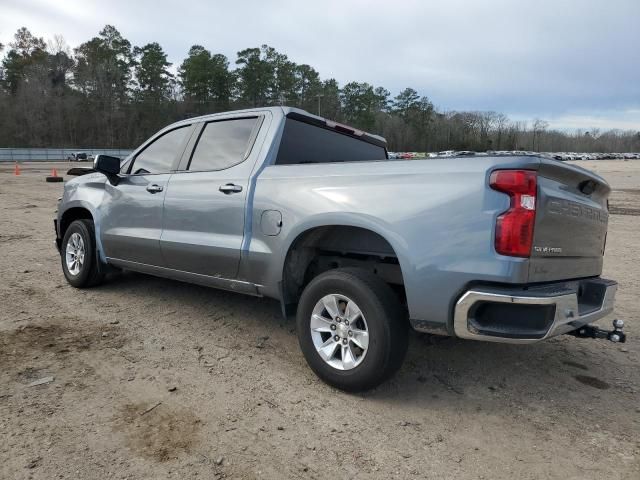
(381, 316)
(53, 179)
(86, 273)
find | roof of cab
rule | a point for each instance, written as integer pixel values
(282, 110)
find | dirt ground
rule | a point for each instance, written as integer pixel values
(159, 379)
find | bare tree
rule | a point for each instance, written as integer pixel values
(539, 126)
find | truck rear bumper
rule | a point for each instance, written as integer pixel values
(531, 314)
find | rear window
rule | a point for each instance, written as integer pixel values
(305, 143)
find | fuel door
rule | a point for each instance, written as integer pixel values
(271, 222)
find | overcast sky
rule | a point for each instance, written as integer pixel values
(574, 63)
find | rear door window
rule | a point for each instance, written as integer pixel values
(305, 143)
(223, 144)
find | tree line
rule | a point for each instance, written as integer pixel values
(109, 93)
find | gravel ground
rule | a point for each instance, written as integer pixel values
(153, 378)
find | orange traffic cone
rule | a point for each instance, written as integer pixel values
(16, 171)
(54, 176)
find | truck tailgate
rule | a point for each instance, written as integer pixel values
(571, 223)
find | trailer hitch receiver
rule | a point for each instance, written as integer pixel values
(589, 331)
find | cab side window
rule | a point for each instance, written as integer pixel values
(160, 155)
(223, 144)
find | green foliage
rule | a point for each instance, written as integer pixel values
(25, 44)
(59, 65)
(406, 100)
(282, 88)
(308, 87)
(152, 73)
(255, 76)
(417, 114)
(103, 65)
(267, 77)
(206, 80)
(194, 73)
(361, 102)
(27, 52)
(330, 102)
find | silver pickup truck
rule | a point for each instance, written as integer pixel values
(280, 203)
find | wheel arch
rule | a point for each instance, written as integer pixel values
(72, 214)
(365, 239)
(77, 210)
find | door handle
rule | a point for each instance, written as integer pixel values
(230, 188)
(154, 188)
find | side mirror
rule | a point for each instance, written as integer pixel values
(109, 166)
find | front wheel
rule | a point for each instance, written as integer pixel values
(351, 328)
(79, 255)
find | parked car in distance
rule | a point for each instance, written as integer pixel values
(447, 153)
(77, 157)
(281, 203)
(80, 157)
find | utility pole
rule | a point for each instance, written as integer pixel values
(320, 95)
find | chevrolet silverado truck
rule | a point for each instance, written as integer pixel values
(280, 203)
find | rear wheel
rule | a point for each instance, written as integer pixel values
(351, 328)
(79, 255)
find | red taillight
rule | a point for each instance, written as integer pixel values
(514, 228)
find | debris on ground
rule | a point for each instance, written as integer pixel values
(150, 408)
(34, 463)
(41, 381)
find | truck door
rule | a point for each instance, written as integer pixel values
(131, 221)
(204, 207)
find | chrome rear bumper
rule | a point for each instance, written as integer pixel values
(568, 309)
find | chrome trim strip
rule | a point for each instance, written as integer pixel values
(566, 315)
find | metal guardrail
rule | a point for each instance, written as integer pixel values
(55, 154)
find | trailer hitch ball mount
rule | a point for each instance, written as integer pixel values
(589, 331)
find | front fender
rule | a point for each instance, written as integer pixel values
(85, 192)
